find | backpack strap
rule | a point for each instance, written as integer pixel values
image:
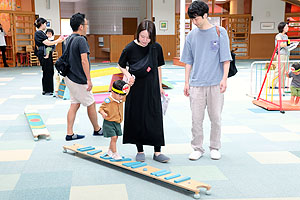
(218, 30)
(67, 50)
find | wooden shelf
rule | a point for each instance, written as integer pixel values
(23, 33)
(25, 39)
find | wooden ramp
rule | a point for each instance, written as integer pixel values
(269, 106)
(37, 125)
(142, 168)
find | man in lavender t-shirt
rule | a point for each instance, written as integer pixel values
(207, 57)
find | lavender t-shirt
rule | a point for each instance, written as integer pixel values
(206, 52)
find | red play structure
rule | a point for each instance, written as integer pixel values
(276, 104)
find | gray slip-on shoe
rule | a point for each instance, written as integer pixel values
(161, 158)
(140, 157)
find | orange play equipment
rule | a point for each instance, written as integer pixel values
(268, 97)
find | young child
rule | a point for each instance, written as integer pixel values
(50, 35)
(112, 113)
(295, 84)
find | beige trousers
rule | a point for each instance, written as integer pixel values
(283, 68)
(201, 98)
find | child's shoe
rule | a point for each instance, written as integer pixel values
(109, 153)
(116, 156)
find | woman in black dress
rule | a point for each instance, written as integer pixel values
(143, 124)
(42, 42)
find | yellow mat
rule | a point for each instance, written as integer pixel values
(100, 89)
(105, 72)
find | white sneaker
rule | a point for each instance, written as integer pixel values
(195, 155)
(215, 154)
(110, 153)
(116, 156)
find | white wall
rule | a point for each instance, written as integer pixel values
(66, 9)
(164, 10)
(143, 10)
(51, 14)
(105, 16)
(149, 9)
(267, 11)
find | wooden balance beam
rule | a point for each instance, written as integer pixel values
(142, 168)
(37, 125)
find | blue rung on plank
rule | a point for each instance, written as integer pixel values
(94, 152)
(182, 179)
(173, 176)
(86, 149)
(123, 159)
(82, 148)
(163, 173)
(139, 165)
(105, 157)
(131, 164)
(157, 172)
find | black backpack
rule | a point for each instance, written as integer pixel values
(232, 68)
(62, 64)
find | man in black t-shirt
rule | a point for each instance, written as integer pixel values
(78, 80)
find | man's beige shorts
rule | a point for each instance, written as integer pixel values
(79, 94)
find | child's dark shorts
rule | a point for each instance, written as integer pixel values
(111, 129)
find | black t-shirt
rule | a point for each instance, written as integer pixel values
(39, 37)
(133, 52)
(79, 45)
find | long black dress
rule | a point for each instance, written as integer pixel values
(143, 123)
(47, 64)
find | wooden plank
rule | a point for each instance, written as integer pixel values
(190, 185)
(37, 125)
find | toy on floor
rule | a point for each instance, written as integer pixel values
(61, 89)
(37, 125)
(142, 168)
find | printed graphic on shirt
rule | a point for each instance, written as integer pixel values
(107, 100)
(214, 45)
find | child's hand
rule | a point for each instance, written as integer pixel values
(104, 115)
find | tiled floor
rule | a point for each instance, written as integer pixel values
(260, 149)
